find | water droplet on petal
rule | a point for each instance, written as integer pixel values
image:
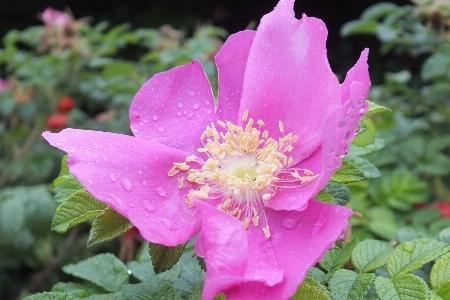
(149, 206)
(191, 93)
(59, 144)
(160, 129)
(289, 223)
(166, 222)
(190, 115)
(342, 123)
(161, 192)
(185, 112)
(196, 106)
(90, 182)
(319, 225)
(209, 111)
(155, 117)
(144, 182)
(180, 105)
(112, 177)
(179, 114)
(140, 171)
(127, 184)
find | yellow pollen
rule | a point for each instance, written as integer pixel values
(267, 196)
(241, 168)
(180, 182)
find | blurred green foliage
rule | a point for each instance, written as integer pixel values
(414, 190)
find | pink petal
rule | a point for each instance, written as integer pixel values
(288, 77)
(233, 254)
(339, 130)
(231, 61)
(299, 240)
(130, 175)
(174, 107)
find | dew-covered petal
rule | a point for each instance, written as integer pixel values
(301, 239)
(174, 107)
(130, 175)
(288, 77)
(231, 61)
(360, 73)
(339, 130)
(233, 254)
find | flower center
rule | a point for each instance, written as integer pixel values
(243, 170)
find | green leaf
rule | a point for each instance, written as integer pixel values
(75, 289)
(375, 108)
(411, 256)
(191, 275)
(436, 65)
(104, 270)
(79, 207)
(311, 289)
(339, 191)
(366, 136)
(150, 290)
(164, 257)
(359, 27)
(325, 197)
(108, 225)
(347, 173)
(317, 274)
(369, 169)
(370, 255)
(440, 273)
(360, 151)
(444, 235)
(65, 186)
(444, 291)
(402, 287)
(379, 10)
(337, 258)
(50, 296)
(383, 222)
(346, 284)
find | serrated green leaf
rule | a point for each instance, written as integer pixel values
(75, 289)
(339, 191)
(190, 277)
(325, 197)
(108, 225)
(79, 207)
(197, 292)
(164, 257)
(64, 167)
(110, 296)
(347, 173)
(144, 271)
(311, 289)
(104, 270)
(411, 256)
(346, 284)
(316, 274)
(50, 296)
(367, 136)
(150, 290)
(444, 291)
(370, 255)
(401, 287)
(369, 169)
(360, 151)
(65, 186)
(440, 273)
(375, 108)
(337, 258)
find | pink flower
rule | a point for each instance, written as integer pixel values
(53, 17)
(243, 174)
(5, 85)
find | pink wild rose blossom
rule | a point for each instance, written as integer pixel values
(52, 17)
(244, 174)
